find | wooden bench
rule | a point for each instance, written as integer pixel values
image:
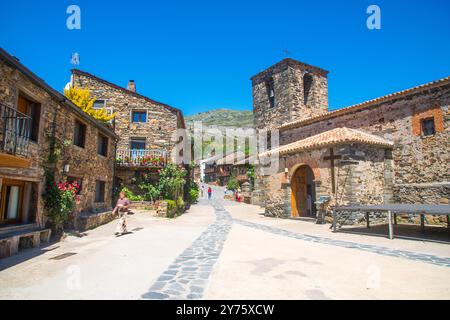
(392, 210)
(12, 242)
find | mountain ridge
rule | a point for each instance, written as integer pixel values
(222, 117)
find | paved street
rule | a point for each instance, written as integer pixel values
(225, 250)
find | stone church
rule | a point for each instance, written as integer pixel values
(392, 149)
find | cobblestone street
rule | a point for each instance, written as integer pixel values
(225, 250)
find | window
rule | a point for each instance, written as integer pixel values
(139, 116)
(33, 110)
(99, 104)
(428, 128)
(79, 181)
(102, 145)
(271, 92)
(428, 120)
(11, 201)
(137, 143)
(307, 85)
(99, 191)
(79, 134)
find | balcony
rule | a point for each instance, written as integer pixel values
(141, 158)
(15, 130)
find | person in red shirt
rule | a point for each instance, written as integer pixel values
(209, 193)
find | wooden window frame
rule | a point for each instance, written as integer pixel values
(84, 126)
(102, 143)
(103, 183)
(137, 139)
(104, 104)
(6, 183)
(139, 111)
(34, 111)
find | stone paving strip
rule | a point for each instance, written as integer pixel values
(187, 277)
(427, 258)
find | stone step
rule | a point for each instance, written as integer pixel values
(11, 242)
(17, 227)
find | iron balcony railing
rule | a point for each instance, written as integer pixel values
(15, 128)
(141, 158)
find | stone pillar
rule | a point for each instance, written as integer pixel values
(287, 200)
(388, 192)
(26, 202)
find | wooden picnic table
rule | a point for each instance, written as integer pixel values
(392, 210)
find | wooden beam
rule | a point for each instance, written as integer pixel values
(11, 161)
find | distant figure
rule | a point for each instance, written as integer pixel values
(209, 193)
(203, 191)
(122, 208)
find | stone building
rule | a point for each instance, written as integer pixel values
(394, 148)
(145, 127)
(33, 115)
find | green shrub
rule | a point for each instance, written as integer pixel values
(233, 184)
(151, 193)
(193, 196)
(171, 208)
(180, 204)
(131, 196)
(171, 181)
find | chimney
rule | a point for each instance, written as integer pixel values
(131, 86)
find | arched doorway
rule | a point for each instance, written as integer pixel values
(303, 193)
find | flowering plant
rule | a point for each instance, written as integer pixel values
(60, 199)
(151, 161)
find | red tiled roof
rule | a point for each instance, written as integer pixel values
(332, 137)
(364, 104)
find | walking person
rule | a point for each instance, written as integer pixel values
(209, 193)
(122, 208)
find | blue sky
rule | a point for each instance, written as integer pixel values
(199, 55)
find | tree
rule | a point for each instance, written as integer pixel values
(82, 99)
(171, 182)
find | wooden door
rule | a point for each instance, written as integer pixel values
(11, 201)
(299, 194)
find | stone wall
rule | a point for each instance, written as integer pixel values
(162, 120)
(57, 120)
(363, 180)
(287, 77)
(417, 159)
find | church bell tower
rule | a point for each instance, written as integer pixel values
(288, 91)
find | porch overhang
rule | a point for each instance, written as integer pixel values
(329, 138)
